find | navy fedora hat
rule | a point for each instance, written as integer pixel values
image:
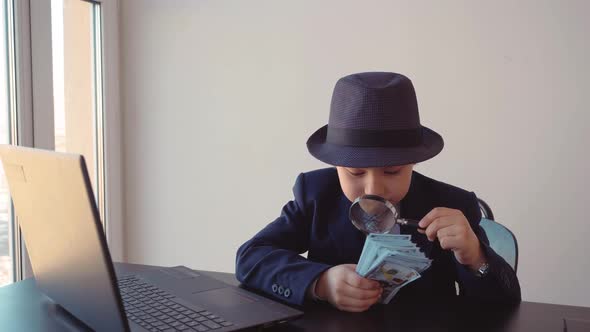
(374, 122)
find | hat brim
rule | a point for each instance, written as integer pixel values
(352, 156)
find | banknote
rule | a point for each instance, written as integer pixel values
(392, 276)
(393, 260)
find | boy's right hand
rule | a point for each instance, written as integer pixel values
(346, 290)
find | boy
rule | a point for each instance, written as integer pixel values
(374, 138)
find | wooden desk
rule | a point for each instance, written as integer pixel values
(24, 308)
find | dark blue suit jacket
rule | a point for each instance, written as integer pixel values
(317, 221)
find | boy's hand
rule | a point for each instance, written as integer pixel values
(346, 290)
(453, 232)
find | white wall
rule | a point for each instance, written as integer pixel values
(219, 98)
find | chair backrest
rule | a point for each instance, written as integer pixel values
(502, 241)
(486, 211)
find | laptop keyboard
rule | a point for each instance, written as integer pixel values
(156, 310)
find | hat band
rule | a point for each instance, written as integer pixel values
(402, 138)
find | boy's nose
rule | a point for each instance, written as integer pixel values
(375, 186)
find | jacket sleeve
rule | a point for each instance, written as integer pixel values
(271, 262)
(500, 283)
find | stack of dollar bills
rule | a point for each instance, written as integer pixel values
(393, 260)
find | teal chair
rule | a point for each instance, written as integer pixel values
(501, 239)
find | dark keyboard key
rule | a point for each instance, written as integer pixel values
(211, 325)
(219, 320)
(201, 319)
(227, 323)
(201, 328)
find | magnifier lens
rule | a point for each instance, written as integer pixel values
(373, 214)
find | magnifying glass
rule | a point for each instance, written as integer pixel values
(375, 214)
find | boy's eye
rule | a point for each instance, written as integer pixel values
(391, 172)
(355, 173)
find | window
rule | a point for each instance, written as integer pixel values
(7, 118)
(72, 100)
(77, 85)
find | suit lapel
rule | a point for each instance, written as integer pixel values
(344, 235)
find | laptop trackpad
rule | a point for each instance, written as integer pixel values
(576, 325)
(182, 280)
(222, 298)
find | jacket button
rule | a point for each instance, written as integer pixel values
(287, 292)
(281, 290)
(274, 288)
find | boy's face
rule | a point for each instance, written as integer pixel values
(391, 183)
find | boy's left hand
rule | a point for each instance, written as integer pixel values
(453, 232)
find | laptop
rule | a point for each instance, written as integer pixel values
(53, 199)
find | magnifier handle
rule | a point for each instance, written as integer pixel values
(409, 222)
